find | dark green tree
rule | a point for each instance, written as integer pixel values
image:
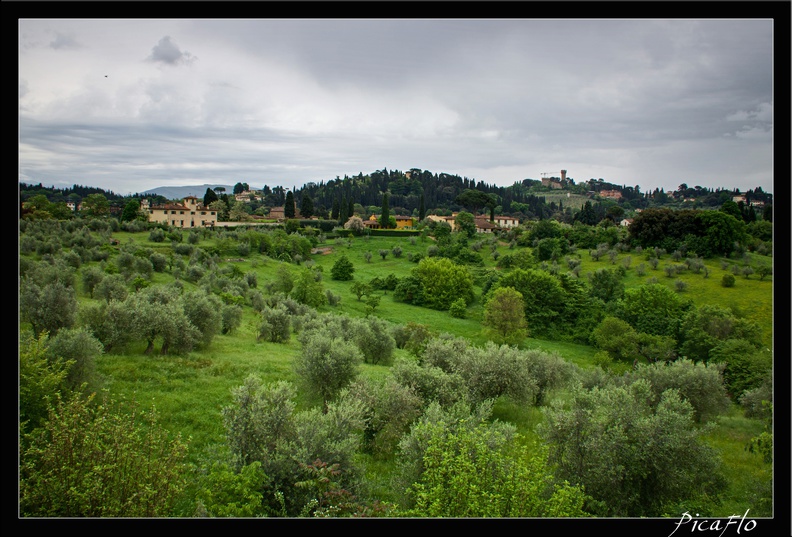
(343, 269)
(209, 197)
(587, 215)
(422, 208)
(384, 219)
(288, 208)
(131, 211)
(306, 206)
(466, 223)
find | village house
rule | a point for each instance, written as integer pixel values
(279, 213)
(612, 194)
(507, 221)
(189, 213)
(626, 222)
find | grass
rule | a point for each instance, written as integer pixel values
(190, 391)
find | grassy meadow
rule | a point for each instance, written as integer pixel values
(190, 391)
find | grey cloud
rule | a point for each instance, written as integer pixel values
(64, 42)
(168, 52)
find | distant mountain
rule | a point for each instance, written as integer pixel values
(179, 192)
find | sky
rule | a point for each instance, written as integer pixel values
(129, 105)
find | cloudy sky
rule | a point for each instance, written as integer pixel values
(129, 105)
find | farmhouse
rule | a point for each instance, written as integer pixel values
(187, 214)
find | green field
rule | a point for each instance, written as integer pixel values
(190, 391)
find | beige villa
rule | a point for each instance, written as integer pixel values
(189, 213)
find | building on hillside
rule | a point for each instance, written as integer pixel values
(552, 182)
(612, 194)
(483, 225)
(279, 213)
(626, 222)
(404, 222)
(738, 199)
(507, 221)
(189, 213)
(249, 195)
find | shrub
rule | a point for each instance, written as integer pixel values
(458, 308)
(727, 280)
(343, 269)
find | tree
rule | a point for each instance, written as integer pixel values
(607, 285)
(384, 219)
(616, 337)
(40, 380)
(422, 208)
(587, 215)
(306, 206)
(76, 346)
(359, 289)
(355, 225)
(327, 364)
(731, 208)
(466, 223)
(288, 208)
(632, 456)
(209, 197)
(68, 470)
(504, 315)
(442, 281)
(654, 309)
(343, 269)
(307, 290)
(542, 293)
(474, 200)
(48, 308)
(95, 205)
(474, 473)
(131, 211)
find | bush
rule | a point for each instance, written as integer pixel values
(343, 269)
(67, 470)
(458, 308)
(727, 280)
(275, 325)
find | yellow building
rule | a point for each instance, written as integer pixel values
(189, 213)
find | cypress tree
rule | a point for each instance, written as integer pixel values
(288, 209)
(385, 218)
(306, 207)
(334, 211)
(422, 209)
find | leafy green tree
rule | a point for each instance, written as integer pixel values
(464, 477)
(731, 208)
(654, 309)
(95, 205)
(616, 337)
(442, 281)
(704, 327)
(131, 211)
(543, 296)
(721, 232)
(465, 223)
(307, 290)
(359, 289)
(504, 315)
(632, 457)
(40, 379)
(587, 215)
(68, 471)
(458, 308)
(607, 285)
(224, 492)
(343, 269)
(746, 366)
(474, 200)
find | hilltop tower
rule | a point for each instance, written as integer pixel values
(563, 175)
